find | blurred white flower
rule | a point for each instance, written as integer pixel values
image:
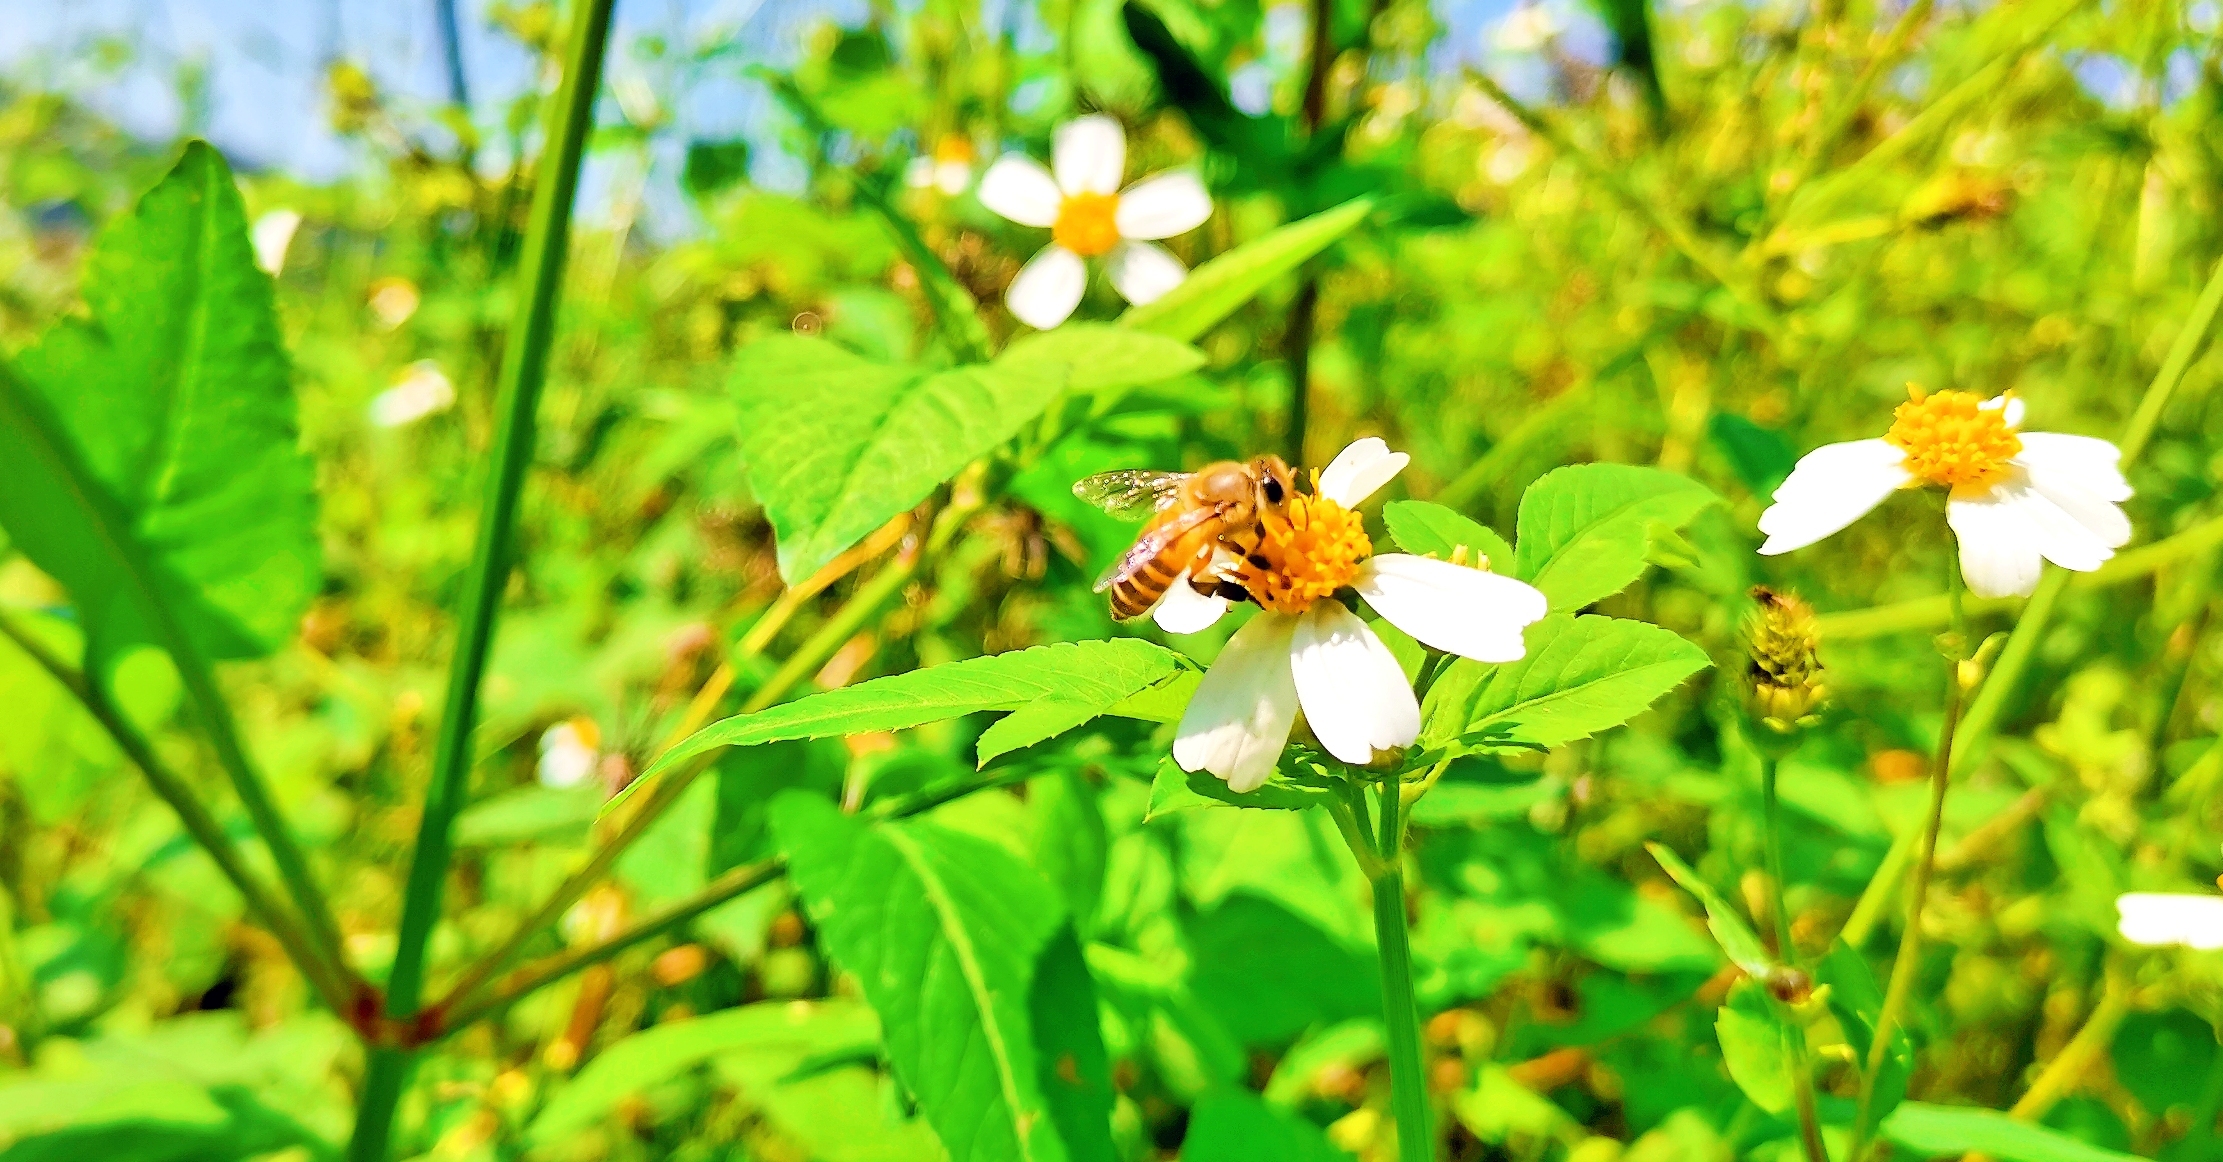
(2164, 918)
(393, 300)
(2016, 499)
(1089, 216)
(569, 752)
(948, 169)
(422, 390)
(1525, 29)
(1305, 650)
(273, 234)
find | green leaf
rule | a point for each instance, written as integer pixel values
(150, 444)
(1071, 843)
(535, 814)
(226, 1121)
(1173, 789)
(748, 780)
(1752, 1046)
(1932, 1130)
(1216, 289)
(945, 933)
(836, 444)
(1091, 357)
(791, 1031)
(1585, 530)
(1431, 530)
(1232, 1125)
(1098, 674)
(1737, 939)
(2164, 1059)
(1582, 675)
(1856, 1001)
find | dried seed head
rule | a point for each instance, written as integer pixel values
(1784, 679)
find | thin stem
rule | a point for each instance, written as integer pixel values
(1840, 117)
(1794, 1037)
(524, 369)
(2075, 1058)
(1296, 347)
(548, 970)
(2022, 646)
(326, 977)
(1905, 966)
(1400, 1014)
(829, 637)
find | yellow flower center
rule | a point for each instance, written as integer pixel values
(1951, 441)
(1305, 555)
(953, 149)
(1087, 224)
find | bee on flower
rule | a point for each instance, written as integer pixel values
(1307, 652)
(2014, 499)
(1079, 200)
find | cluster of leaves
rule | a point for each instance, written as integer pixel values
(798, 452)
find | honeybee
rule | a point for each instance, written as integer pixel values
(1192, 516)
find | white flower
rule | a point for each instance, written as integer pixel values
(569, 752)
(1306, 651)
(422, 390)
(1525, 29)
(948, 169)
(2195, 921)
(1088, 215)
(272, 235)
(2017, 499)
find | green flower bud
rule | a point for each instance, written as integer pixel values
(1783, 683)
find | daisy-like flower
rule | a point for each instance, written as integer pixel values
(569, 752)
(2016, 499)
(1089, 216)
(948, 169)
(1306, 651)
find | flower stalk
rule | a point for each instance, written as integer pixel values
(1960, 678)
(524, 369)
(1400, 1013)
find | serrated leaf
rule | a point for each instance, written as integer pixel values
(1928, 1130)
(149, 444)
(949, 935)
(1431, 530)
(1096, 674)
(836, 444)
(1584, 531)
(1216, 289)
(791, 1031)
(1173, 789)
(1581, 675)
(1737, 939)
(1091, 357)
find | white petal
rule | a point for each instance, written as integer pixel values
(2005, 528)
(1184, 610)
(1453, 608)
(1163, 206)
(1018, 188)
(1999, 545)
(2095, 463)
(1362, 467)
(273, 233)
(1239, 718)
(2080, 485)
(2195, 921)
(1048, 288)
(1090, 155)
(1142, 272)
(1353, 692)
(1832, 486)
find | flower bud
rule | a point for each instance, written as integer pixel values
(1784, 680)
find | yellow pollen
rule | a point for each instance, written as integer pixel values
(1306, 553)
(1950, 441)
(1087, 224)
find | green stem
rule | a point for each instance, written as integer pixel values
(861, 608)
(1400, 1014)
(2022, 645)
(1794, 1036)
(524, 369)
(324, 975)
(1906, 965)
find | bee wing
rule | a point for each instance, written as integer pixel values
(1153, 541)
(1130, 494)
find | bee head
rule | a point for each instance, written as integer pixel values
(1275, 483)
